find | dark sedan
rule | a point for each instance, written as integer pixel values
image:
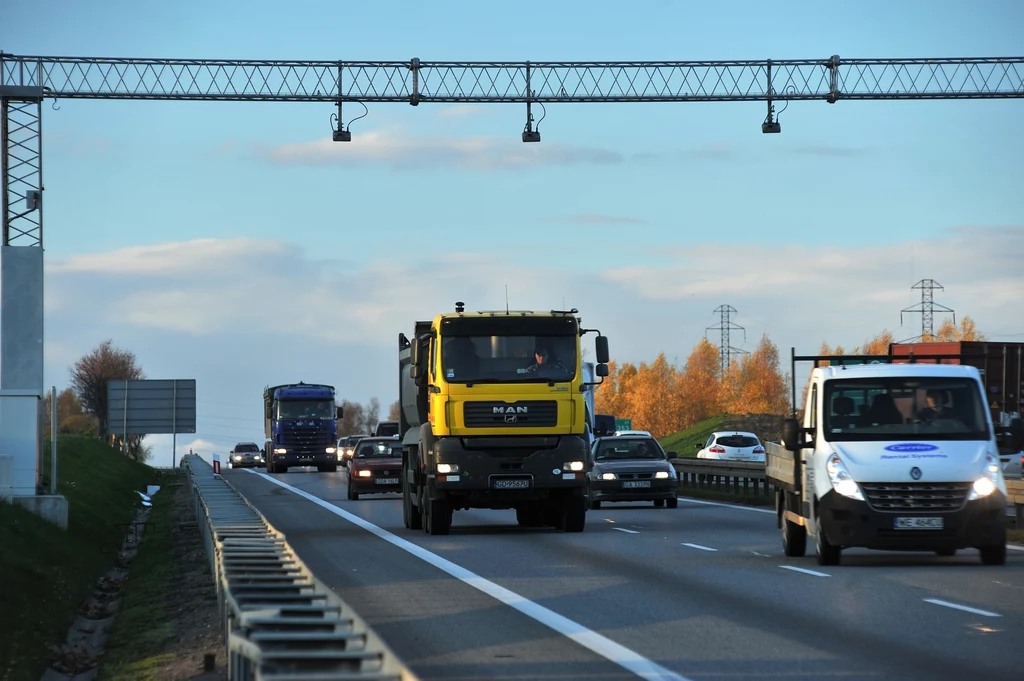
(376, 467)
(632, 469)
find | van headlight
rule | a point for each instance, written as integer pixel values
(842, 482)
(988, 482)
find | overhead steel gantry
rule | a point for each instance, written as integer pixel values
(26, 81)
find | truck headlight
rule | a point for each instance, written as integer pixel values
(331, 450)
(573, 466)
(445, 468)
(280, 450)
(987, 483)
(661, 475)
(842, 482)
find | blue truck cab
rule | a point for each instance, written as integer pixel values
(301, 427)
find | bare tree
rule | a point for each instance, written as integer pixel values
(90, 374)
(394, 411)
(372, 414)
(353, 420)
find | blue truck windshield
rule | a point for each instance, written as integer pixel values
(305, 409)
(508, 359)
(904, 408)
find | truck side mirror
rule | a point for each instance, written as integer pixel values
(1017, 434)
(414, 352)
(601, 370)
(269, 412)
(341, 412)
(601, 348)
(791, 435)
(415, 371)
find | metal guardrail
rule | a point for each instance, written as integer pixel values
(279, 621)
(735, 477)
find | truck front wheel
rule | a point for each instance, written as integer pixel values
(794, 539)
(828, 554)
(574, 514)
(438, 516)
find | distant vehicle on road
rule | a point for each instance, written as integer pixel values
(301, 425)
(376, 467)
(386, 429)
(245, 455)
(346, 447)
(732, 446)
(631, 468)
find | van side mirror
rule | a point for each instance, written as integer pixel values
(601, 349)
(1017, 434)
(601, 370)
(791, 435)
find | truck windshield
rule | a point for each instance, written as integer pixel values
(509, 358)
(305, 409)
(904, 408)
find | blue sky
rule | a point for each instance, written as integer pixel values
(673, 210)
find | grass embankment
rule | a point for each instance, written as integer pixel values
(48, 574)
(145, 625)
(685, 441)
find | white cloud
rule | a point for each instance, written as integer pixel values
(402, 151)
(240, 314)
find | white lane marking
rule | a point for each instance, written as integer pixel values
(591, 640)
(623, 529)
(955, 606)
(698, 546)
(804, 570)
(718, 503)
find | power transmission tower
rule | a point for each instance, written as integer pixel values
(726, 351)
(927, 308)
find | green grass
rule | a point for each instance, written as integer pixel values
(47, 574)
(685, 441)
(145, 623)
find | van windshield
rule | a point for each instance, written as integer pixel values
(904, 408)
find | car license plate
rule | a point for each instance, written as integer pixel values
(918, 523)
(512, 483)
(627, 484)
(386, 481)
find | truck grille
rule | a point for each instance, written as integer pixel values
(916, 496)
(524, 414)
(305, 440)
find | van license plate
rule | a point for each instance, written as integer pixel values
(918, 523)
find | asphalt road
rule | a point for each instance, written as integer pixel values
(697, 592)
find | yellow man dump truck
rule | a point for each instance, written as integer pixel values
(494, 416)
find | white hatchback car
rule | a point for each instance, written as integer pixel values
(732, 446)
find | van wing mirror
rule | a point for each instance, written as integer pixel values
(791, 434)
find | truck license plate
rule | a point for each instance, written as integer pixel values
(626, 484)
(918, 523)
(386, 481)
(512, 483)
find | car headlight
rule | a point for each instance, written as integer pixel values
(445, 468)
(987, 483)
(842, 482)
(363, 473)
(573, 466)
(662, 475)
(607, 476)
(238, 457)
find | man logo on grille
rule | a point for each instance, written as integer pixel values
(915, 473)
(510, 418)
